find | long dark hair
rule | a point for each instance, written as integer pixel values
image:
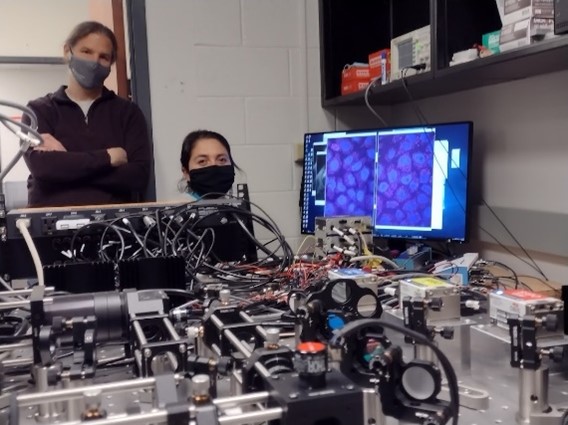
(192, 138)
(92, 27)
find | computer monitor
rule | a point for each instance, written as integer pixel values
(413, 181)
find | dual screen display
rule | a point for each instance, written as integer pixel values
(412, 181)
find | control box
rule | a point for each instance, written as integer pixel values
(408, 50)
(344, 234)
(560, 16)
(513, 303)
(429, 288)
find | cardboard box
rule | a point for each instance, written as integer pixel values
(353, 86)
(376, 60)
(524, 32)
(519, 10)
(355, 73)
(354, 77)
(491, 41)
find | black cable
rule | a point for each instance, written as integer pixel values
(252, 204)
(23, 327)
(338, 338)
(270, 255)
(498, 242)
(141, 242)
(146, 239)
(506, 267)
(536, 267)
(366, 97)
(247, 232)
(269, 225)
(544, 282)
(415, 106)
(514, 279)
(158, 228)
(104, 224)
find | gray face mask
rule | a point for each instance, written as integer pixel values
(89, 74)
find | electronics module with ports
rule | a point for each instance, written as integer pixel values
(512, 303)
(408, 50)
(429, 288)
(344, 234)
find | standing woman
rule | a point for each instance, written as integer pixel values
(207, 164)
(96, 147)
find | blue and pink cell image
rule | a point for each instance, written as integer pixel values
(404, 190)
(349, 176)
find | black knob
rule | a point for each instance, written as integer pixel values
(436, 304)
(557, 354)
(447, 333)
(57, 324)
(224, 365)
(551, 322)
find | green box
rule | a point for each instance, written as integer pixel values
(491, 41)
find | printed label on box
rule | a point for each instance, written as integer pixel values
(429, 281)
(514, 5)
(353, 86)
(355, 73)
(515, 31)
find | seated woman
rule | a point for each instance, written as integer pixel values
(207, 165)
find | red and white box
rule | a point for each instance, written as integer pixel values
(354, 78)
(376, 62)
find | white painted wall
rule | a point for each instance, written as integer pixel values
(237, 67)
(520, 141)
(520, 152)
(38, 27)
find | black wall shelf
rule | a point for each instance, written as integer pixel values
(453, 28)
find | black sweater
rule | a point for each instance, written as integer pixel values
(83, 175)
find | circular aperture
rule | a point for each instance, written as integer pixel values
(341, 293)
(367, 305)
(418, 383)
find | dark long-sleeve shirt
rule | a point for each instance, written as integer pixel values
(83, 175)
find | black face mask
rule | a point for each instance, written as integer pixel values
(216, 178)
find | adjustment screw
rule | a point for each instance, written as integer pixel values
(224, 296)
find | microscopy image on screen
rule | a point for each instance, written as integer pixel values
(404, 192)
(349, 176)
